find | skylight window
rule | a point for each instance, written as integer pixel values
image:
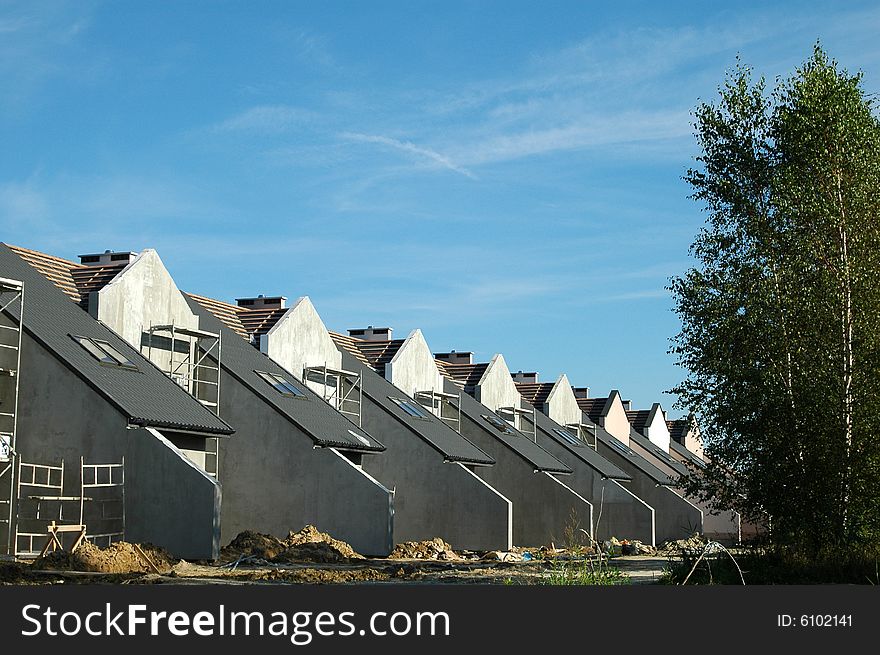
(360, 437)
(568, 437)
(104, 352)
(500, 425)
(281, 385)
(410, 407)
(614, 443)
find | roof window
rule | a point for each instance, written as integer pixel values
(104, 352)
(281, 385)
(499, 424)
(408, 406)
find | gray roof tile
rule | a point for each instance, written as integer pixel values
(146, 396)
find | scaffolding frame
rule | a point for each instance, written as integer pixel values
(582, 431)
(50, 479)
(46, 477)
(11, 294)
(340, 397)
(519, 412)
(435, 400)
(103, 476)
(188, 372)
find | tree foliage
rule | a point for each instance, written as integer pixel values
(780, 314)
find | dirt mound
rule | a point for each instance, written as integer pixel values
(434, 549)
(307, 545)
(311, 535)
(316, 552)
(252, 544)
(119, 557)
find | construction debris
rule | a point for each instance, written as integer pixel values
(433, 549)
(503, 556)
(119, 557)
(307, 545)
(251, 544)
(692, 545)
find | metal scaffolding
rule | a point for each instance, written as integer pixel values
(585, 432)
(436, 401)
(11, 298)
(193, 361)
(517, 415)
(343, 389)
(43, 510)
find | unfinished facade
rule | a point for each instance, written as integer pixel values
(537, 482)
(101, 437)
(425, 459)
(562, 432)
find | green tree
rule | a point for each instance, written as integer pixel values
(780, 315)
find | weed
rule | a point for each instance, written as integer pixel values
(583, 572)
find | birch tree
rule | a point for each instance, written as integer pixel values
(780, 313)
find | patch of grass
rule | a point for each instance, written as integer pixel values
(583, 572)
(777, 565)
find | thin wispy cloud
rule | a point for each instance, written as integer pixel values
(270, 119)
(410, 148)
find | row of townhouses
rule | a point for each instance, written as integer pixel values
(132, 410)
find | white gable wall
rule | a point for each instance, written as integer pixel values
(141, 295)
(496, 388)
(561, 404)
(300, 339)
(413, 367)
(656, 429)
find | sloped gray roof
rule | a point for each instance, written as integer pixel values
(449, 443)
(585, 453)
(613, 445)
(693, 458)
(310, 413)
(538, 458)
(657, 452)
(145, 396)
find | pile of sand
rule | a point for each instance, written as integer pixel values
(119, 557)
(434, 549)
(307, 545)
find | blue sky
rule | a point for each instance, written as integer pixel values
(505, 176)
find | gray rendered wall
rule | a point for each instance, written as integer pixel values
(275, 481)
(542, 504)
(61, 417)
(434, 498)
(723, 527)
(674, 517)
(623, 515)
(165, 488)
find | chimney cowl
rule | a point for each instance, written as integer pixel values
(263, 302)
(371, 333)
(107, 258)
(455, 357)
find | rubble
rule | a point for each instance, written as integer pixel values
(692, 545)
(433, 549)
(502, 556)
